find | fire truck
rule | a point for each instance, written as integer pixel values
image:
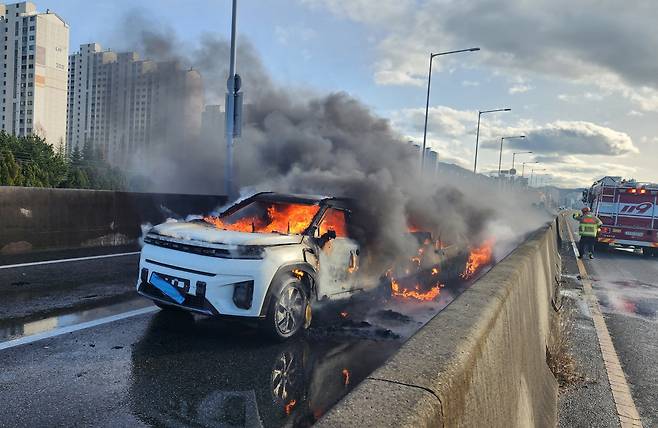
(628, 211)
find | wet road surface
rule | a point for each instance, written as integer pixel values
(33, 287)
(93, 366)
(626, 285)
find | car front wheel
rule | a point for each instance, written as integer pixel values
(289, 310)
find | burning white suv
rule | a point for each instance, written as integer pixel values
(267, 257)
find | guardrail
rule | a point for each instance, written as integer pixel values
(42, 218)
(480, 362)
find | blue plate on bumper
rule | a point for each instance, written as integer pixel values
(168, 289)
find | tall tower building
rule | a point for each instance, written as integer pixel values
(123, 106)
(35, 70)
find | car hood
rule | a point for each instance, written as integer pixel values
(203, 232)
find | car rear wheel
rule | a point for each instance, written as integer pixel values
(289, 310)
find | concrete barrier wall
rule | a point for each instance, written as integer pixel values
(480, 362)
(40, 218)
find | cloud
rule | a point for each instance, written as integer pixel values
(443, 122)
(574, 137)
(601, 42)
(585, 96)
(573, 152)
(386, 11)
(572, 171)
(519, 89)
(470, 83)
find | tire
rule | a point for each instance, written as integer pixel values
(289, 311)
(647, 252)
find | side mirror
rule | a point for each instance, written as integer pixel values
(326, 237)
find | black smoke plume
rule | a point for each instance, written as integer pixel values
(326, 144)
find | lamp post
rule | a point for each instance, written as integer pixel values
(233, 109)
(523, 168)
(477, 134)
(500, 157)
(427, 103)
(517, 153)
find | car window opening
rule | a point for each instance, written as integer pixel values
(267, 217)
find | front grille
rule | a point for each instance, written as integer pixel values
(188, 248)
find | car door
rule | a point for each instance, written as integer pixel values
(339, 257)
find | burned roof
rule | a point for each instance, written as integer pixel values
(302, 199)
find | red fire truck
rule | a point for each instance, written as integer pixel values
(628, 211)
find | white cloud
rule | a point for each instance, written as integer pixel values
(574, 152)
(519, 89)
(601, 42)
(364, 11)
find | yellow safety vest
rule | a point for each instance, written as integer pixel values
(589, 224)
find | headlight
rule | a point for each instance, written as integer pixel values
(250, 252)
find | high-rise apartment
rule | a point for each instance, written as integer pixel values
(35, 69)
(123, 106)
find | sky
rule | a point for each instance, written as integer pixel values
(580, 77)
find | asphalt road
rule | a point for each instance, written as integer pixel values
(626, 285)
(161, 369)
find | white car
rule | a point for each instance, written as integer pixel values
(267, 257)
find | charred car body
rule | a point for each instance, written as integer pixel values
(267, 257)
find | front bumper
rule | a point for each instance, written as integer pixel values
(217, 277)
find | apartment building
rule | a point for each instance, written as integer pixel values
(123, 106)
(35, 69)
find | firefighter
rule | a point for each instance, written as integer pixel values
(588, 229)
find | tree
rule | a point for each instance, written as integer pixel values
(31, 161)
(10, 171)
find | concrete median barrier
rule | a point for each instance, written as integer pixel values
(479, 362)
(44, 219)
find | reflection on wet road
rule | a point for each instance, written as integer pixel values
(14, 329)
(625, 283)
(212, 374)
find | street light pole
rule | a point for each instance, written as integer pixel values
(477, 134)
(232, 88)
(500, 157)
(427, 102)
(517, 153)
(523, 169)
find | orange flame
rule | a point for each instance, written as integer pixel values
(289, 218)
(288, 407)
(346, 377)
(344, 314)
(477, 258)
(298, 273)
(428, 296)
(435, 271)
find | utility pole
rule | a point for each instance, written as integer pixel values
(477, 135)
(233, 107)
(427, 102)
(500, 157)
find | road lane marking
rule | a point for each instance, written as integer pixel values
(70, 329)
(78, 259)
(621, 392)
